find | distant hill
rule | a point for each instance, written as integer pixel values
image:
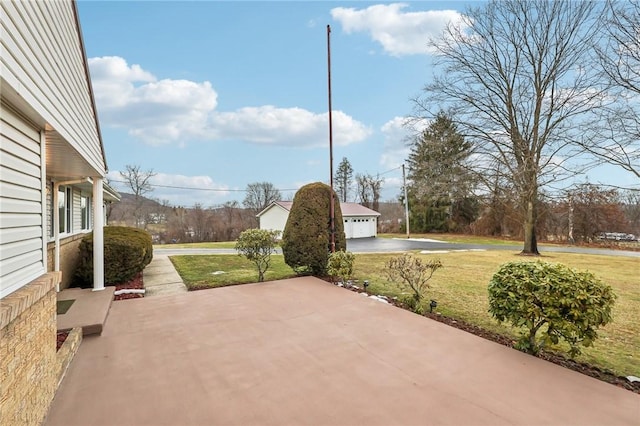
(122, 212)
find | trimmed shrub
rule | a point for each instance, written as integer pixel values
(126, 252)
(340, 265)
(552, 299)
(306, 241)
(257, 245)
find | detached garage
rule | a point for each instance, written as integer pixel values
(359, 221)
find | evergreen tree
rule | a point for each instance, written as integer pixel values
(343, 179)
(439, 179)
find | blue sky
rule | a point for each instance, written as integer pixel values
(217, 95)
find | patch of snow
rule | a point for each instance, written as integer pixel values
(424, 240)
(218, 273)
(448, 251)
(129, 291)
(379, 299)
(633, 379)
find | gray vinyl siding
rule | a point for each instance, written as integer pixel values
(42, 59)
(76, 215)
(22, 256)
(49, 210)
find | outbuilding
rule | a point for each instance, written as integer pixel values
(359, 221)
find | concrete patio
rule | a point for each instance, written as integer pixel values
(302, 351)
(89, 310)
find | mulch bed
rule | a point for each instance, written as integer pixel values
(135, 283)
(60, 338)
(556, 358)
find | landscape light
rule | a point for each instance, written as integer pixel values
(432, 305)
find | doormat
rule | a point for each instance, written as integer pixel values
(63, 306)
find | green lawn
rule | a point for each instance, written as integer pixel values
(203, 271)
(218, 245)
(460, 238)
(461, 291)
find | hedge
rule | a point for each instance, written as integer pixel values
(126, 253)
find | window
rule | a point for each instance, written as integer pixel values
(85, 212)
(65, 204)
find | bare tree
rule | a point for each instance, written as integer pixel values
(344, 179)
(631, 207)
(617, 132)
(516, 76)
(139, 183)
(260, 195)
(368, 190)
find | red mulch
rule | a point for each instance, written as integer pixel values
(134, 283)
(556, 358)
(61, 337)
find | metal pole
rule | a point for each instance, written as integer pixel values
(406, 201)
(332, 200)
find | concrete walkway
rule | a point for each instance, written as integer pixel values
(304, 352)
(160, 277)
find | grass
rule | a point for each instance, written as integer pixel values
(199, 272)
(217, 245)
(461, 291)
(459, 238)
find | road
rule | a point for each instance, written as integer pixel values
(390, 245)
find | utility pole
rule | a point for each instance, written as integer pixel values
(406, 202)
(571, 239)
(332, 207)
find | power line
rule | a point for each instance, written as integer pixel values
(190, 188)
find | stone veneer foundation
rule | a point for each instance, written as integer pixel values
(28, 364)
(69, 258)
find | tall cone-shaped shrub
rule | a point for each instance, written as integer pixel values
(306, 241)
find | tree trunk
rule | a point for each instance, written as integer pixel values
(530, 242)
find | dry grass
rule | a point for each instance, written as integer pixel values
(461, 291)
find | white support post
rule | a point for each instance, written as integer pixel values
(56, 228)
(98, 236)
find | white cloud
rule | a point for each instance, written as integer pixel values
(176, 111)
(269, 125)
(397, 134)
(180, 189)
(156, 111)
(399, 32)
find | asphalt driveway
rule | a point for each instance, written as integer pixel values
(302, 351)
(390, 245)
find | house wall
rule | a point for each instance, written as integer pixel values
(354, 227)
(43, 62)
(28, 364)
(69, 258)
(22, 253)
(275, 218)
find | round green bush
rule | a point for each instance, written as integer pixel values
(551, 302)
(126, 253)
(306, 241)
